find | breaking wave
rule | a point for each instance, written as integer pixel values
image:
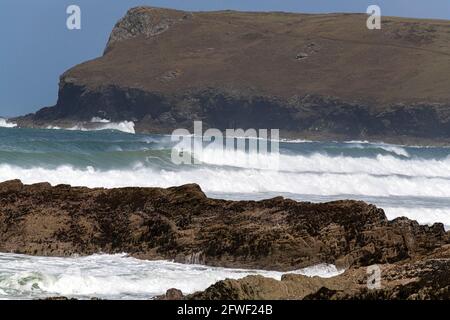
(323, 163)
(99, 120)
(397, 150)
(124, 126)
(223, 180)
(116, 276)
(4, 123)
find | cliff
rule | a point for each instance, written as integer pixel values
(312, 76)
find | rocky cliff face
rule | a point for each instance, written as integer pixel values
(144, 22)
(314, 76)
(181, 223)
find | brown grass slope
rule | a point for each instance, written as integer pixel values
(407, 61)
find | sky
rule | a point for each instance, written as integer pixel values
(36, 47)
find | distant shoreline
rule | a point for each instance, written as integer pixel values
(403, 141)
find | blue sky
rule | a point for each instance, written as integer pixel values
(36, 46)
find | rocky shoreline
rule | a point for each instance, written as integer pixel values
(317, 77)
(184, 225)
(427, 278)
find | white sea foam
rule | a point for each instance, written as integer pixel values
(99, 120)
(124, 126)
(5, 123)
(116, 276)
(222, 180)
(323, 163)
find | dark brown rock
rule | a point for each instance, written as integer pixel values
(181, 223)
(59, 298)
(423, 279)
(261, 288)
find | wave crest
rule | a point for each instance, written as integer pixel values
(222, 180)
(5, 123)
(124, 126)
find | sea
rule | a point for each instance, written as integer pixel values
(410, 181)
